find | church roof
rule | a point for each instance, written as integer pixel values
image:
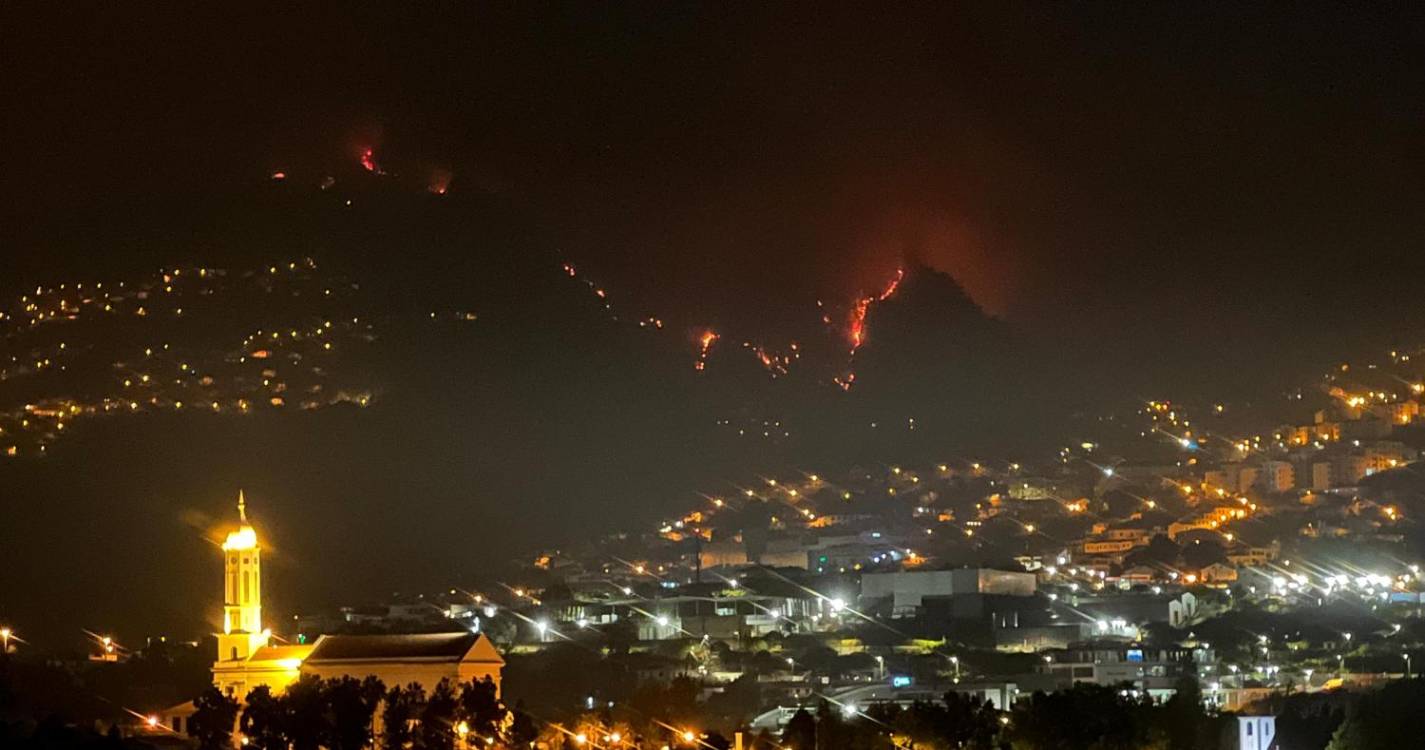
(438, 647)
(276, 653)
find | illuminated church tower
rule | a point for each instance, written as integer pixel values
(242, 592)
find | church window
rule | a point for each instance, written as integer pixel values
(246, 585)
(234, 653)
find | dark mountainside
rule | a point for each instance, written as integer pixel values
(555, 413)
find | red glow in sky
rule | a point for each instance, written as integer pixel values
(368, 161)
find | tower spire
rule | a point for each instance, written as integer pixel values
(242, 507)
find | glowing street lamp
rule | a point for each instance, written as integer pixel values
(5, 640)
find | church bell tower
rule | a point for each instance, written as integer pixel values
(242, 592)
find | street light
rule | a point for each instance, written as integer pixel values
(5, 640)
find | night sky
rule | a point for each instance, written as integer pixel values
(1154, 198)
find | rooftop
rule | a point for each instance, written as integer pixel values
(455, 646)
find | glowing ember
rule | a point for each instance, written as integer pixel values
(705, 342)
(775, 362)
(439, 183)
(893, 286)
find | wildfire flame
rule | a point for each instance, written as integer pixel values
(368, 159)
(857, 327)
(863, 305)
(705, 342)
(775, 362)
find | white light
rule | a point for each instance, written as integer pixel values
(837, 605)
(849, 710)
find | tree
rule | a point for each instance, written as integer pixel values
(1084, 717)
(264, 721)
(402, 709)
(800, 733)
(212, 721)
(1182, 718)
(1306, 722)
(737, 702)
(970, 722)
(1160, 551)
(676, 702)
(920, 725)
(522, 729)
(308, 724)
(1202, 553)
(437, 728)
(480, 708)
(1385, 719)
(352, 704)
